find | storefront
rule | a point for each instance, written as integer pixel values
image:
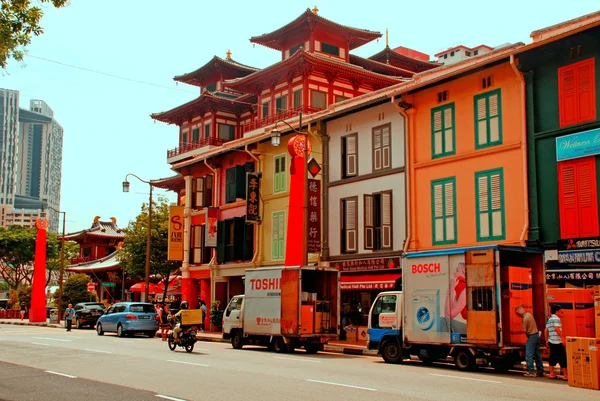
(575, 264)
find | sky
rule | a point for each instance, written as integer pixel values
(104, 66)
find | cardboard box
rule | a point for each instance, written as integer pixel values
(578, 310)
(308, 319)
(583, 358)
(597, 315)
(351, 333)
(191, 317)
(362, 333)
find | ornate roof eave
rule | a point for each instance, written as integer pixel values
(108, 263)
(358, 37)
(384, 55)
(175, 183)
(100, 229)
(195, 77)
(373, 64)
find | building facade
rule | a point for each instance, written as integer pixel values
(9, 136)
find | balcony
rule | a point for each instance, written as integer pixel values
(195, 145)
(263, 122)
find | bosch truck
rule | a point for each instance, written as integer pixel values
(460, 304)
(284, 308)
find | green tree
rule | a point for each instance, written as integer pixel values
(24, 294)
(19, 22)
(133, 253)
(53, 263)
(75, 291)
(17, 253)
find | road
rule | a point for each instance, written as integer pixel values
(38, 363)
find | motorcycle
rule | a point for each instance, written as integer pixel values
(187, 338)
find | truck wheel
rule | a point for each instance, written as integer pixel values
(391, 352)
(464, 360)
(312, 348)
(236, 340)
(279, 345)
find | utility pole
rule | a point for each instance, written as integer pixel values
(62, 267)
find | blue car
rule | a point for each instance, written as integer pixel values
(129, 318)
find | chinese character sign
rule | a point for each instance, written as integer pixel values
(314, 216)
(210, 235)
(175, 250)
(252, 198)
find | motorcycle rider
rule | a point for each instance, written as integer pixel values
(184, 306)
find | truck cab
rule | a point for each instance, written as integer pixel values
(233, 317)
(385, 326)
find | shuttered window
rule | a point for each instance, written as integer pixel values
(578, 198)
(378, 221)
(198, 190)
(577, 92)
(184, 139)
(349, 225)
(442, 131)
(196, 242)
(382, 147)
(206, 131)
(235, 240)
(488, 119)
(318, 99)
(279, 181)
(195, 135)
(235, 182)
(266, 106)
(230, 193)
(490, 205)
(349, 156)
(278, 236)
(297, 98)
(443, 211)
(281, 104)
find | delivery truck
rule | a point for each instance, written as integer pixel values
(460, 304)
(284, 308)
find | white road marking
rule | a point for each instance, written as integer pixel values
(98, 351)
(166, 397)
(187, 363)
(342, 385)
(41, 344)
(60, 374)
(465, 378)
(297, 359)
(52, 339)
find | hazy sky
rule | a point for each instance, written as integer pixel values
(108, 131)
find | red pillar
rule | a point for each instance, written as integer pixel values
(294, 240)
(37, 311)
(189, 291)
(205, 296)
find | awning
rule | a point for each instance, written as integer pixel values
(373, 281)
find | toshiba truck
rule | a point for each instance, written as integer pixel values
(460, 304)
(284, 308)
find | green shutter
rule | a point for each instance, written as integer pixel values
(488, 119)
(279, 174)
(220, 241)
(240, 182)
(443, 131)
(278, 235)
(230, 190)
(489, 190)
(443, 211)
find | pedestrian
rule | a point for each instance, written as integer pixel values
(69, 314)
(204, 313)
(23, 310)
(555, 340)
(164, 321)
(532, 346)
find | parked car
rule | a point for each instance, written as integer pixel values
(126, 318)
(87, 314)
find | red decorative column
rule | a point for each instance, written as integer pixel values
(189, 291)
(37, 310)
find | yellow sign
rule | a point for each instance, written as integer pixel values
(176, 233)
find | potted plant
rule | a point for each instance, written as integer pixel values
(216, 315)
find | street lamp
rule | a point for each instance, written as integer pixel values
(62, 267)
(275, 140)
(149, 239)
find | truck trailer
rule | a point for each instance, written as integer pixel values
(460, 304)
(284, 308)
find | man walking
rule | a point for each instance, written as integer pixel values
(555, 339)
(532, 346)
(69, 313)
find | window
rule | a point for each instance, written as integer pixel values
(382, 149)
(488, 119)
(578, 198)
(281, 104)
(318, 99)
(87, 252)
(278, 236)
(476, 52)
(486, 82)
(297, 98)
(339, 98)
(384, 304)
(184, 139)
(442, 96)
(212, 87)
(235, 240)
(330, 49)
(206, 131)
(226, 132)
(195, 135)
(378, 221)
(443, 211)
(235, 183)
(294, 49)
(446, 55)
(349, 225)
(577, 93)
(279, 171)
(468, 54)
(265, 109)
(451, 54)
(350, 156)
(202, 188)
(442, 130)
(490, 205)
(199, 254)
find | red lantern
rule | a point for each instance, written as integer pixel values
(296, 146)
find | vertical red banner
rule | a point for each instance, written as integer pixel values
(314, 216)
(37, 310)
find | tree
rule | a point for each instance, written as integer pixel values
(53, 263)
(75, 291)
(17, 253)
(19, 22)
(133, 253)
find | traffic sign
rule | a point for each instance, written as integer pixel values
(108, 284)
(91, 287)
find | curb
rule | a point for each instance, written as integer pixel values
(24, 323)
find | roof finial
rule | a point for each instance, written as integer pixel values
(315, 10)
(387, 43)
(228, 54)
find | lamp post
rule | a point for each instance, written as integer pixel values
(149, 239)
(275, 140)
(62, 267)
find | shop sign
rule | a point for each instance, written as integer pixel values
(314, 216)
(582, 144)
(252, 197)
(367, 286)
(578, 257)
(573, 244)
(589, 275)
(368, 265)
(210, 234)
(175, 246)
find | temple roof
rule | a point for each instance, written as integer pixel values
(99, 229)
(302, 61)
(309, 22)
(389, 56)
(105, 264)
(174, 183)
(211, 72)
(380, 68)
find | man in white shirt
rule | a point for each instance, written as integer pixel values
(555, 340)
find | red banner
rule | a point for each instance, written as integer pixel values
(314, 216)
(368, 264)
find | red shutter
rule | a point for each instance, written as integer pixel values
(577, 92)
(567, 97)
(369, 229)
(567, 200)
(586, 91)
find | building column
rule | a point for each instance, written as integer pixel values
(187, 292)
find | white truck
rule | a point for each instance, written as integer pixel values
(284, 308)
(460, 304)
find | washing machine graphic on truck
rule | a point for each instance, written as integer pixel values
(426, 311)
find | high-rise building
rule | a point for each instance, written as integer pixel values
(9, 136)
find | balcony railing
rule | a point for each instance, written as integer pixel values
(195, 145)
(263, 122)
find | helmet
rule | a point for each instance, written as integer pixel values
(184, 305)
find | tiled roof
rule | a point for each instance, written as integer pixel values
(174, 183)
(195, 77)
(565, 26)
(102, 229)
(107, 263)
(386, 54)
(376, 66)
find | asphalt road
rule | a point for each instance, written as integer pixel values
(36, 359)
